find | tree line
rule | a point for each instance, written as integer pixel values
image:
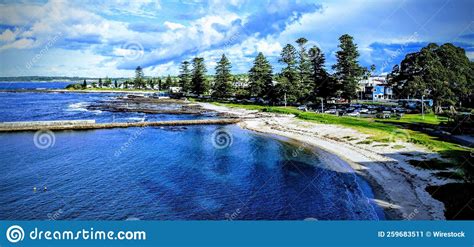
(441, 73)
(303, 77)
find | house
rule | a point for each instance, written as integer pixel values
(175, 90)
(374, 88)
(241, 83)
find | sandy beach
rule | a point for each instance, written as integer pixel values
(399, 187)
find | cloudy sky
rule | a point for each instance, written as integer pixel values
(111, 38)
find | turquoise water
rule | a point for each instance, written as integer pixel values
(168, 173)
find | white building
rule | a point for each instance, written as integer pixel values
(374, 88)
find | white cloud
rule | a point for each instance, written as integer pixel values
(99, 32)
(173, 26)
(18, 44)
(470, 55)
(7, 36)
(165, 69)
(141, 8)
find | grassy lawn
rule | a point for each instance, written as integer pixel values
(380, 132)
(430, 119)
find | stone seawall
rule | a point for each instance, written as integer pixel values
(90, 124)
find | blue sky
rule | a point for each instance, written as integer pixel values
(110, 38)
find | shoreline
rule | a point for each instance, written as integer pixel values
(398, 187)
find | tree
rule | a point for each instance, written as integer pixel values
(348, 72)
(116, 83)
(372, 70)
(442, 73)
(323, 86)
(185, 77)
(151, 83)
(138, 82)
(289, 85)
(107, 81)
(168, 82)
(100, 82)
(223, 79)
(198, 80)
(84, 84)
(261, 78)
(304, 70)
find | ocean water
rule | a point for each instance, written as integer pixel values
(32, 106)
(166, 173)
(33, 85)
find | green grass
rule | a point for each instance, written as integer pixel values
(379, 131)
(429, 119)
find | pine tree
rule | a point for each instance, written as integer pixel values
(223, 79)
(322, 85)
(347, 69)
(168, 82)
(261, 77)
(185, 77)
(100, 82)
(139, 82)
(84, 84)
(198, 79)
(151, 83)
(289, 83)
(304, 70)
(116, 84)
(107, 81)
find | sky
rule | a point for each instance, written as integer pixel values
(111, 38)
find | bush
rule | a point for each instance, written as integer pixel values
(74, 86)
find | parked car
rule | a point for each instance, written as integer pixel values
(399, 110)
(354, 114)
(383, 115)
(302, 108)
(331, 111)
